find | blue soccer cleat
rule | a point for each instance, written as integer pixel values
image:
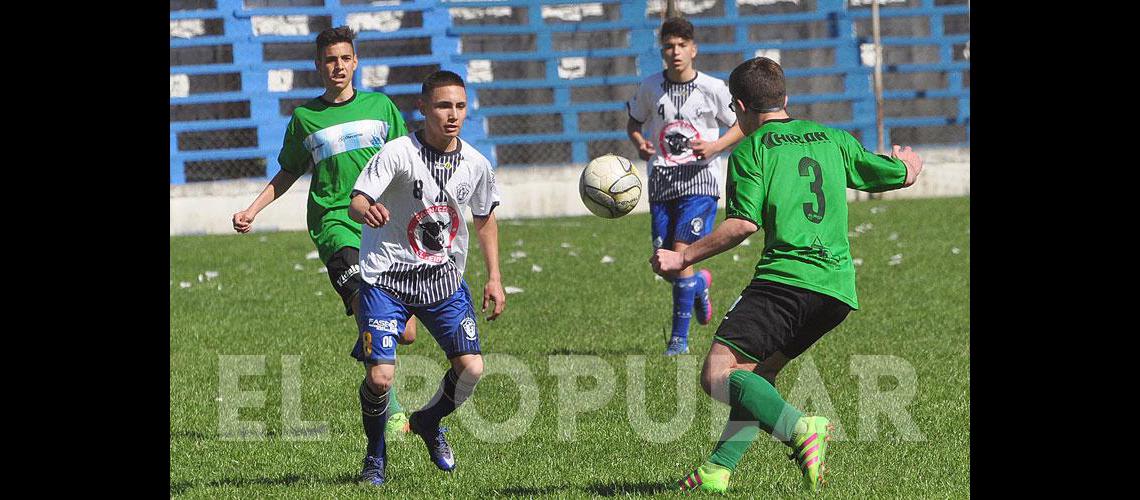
(437, 446)
(703, 305)
(677, 345)
(373, 471)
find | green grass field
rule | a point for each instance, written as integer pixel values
(267, 300)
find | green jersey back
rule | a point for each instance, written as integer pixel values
(790, 177)
(336, 141)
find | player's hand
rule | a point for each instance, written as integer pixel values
(911, 159)
(494, 291)
(703, 149)
(667, 263)
(243, 221)
(376, 216)
(645, 150)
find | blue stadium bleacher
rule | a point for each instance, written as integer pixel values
(548, 79)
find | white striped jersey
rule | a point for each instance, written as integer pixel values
(420, 254)
(675, 113)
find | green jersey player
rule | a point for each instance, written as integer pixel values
(790, 177)
(334, 136)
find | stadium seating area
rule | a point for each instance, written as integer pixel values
(548, 79)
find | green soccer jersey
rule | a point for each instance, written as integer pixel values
(790, 177)
(336, 141)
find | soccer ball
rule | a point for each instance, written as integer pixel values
(609, 186)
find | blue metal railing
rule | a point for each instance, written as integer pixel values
(444, 38)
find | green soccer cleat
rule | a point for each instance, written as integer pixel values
(397, 426)
(810, 450)
(707, 477)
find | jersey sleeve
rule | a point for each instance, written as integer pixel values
(744, 193)
(639, 104)
(724, 113)
(485, 197)
(381, 169)
(867, 171)
(294, 158)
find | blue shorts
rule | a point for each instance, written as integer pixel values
(685, 219)
(383, 317)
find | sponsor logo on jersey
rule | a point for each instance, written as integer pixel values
(431, 231)
(468, 325)
(345, 137)
(820, 252)
(381, 325)
(773, 139)
(674, 142)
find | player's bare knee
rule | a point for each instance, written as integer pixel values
(470, 367)
(379, 381)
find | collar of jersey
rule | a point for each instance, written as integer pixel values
(458, 145)
(339, 104)
(777, 120)
(666, 77)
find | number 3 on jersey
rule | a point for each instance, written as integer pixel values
(808, 167)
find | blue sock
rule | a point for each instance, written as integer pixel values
(374, 410)
(453, 391)
(684, 292)
(701, 286)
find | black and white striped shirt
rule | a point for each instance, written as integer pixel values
(419, 256)
(673, 114)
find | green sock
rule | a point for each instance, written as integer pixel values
(738, 435)
(393, 405)
(755, 394)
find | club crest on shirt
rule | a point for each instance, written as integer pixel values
(674, 142)
(431, 231)
(462, 193)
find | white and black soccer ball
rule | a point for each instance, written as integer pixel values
(609, 186)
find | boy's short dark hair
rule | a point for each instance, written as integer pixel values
(333, 36)
(759, 82)
(678, 27)
(442, 78)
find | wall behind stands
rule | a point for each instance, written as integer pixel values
(548, 80)
(528, 192)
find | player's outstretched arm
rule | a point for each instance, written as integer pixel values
(488, 230)
(912, 160)
(644, 148)
(727, 235)
(243, 220)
